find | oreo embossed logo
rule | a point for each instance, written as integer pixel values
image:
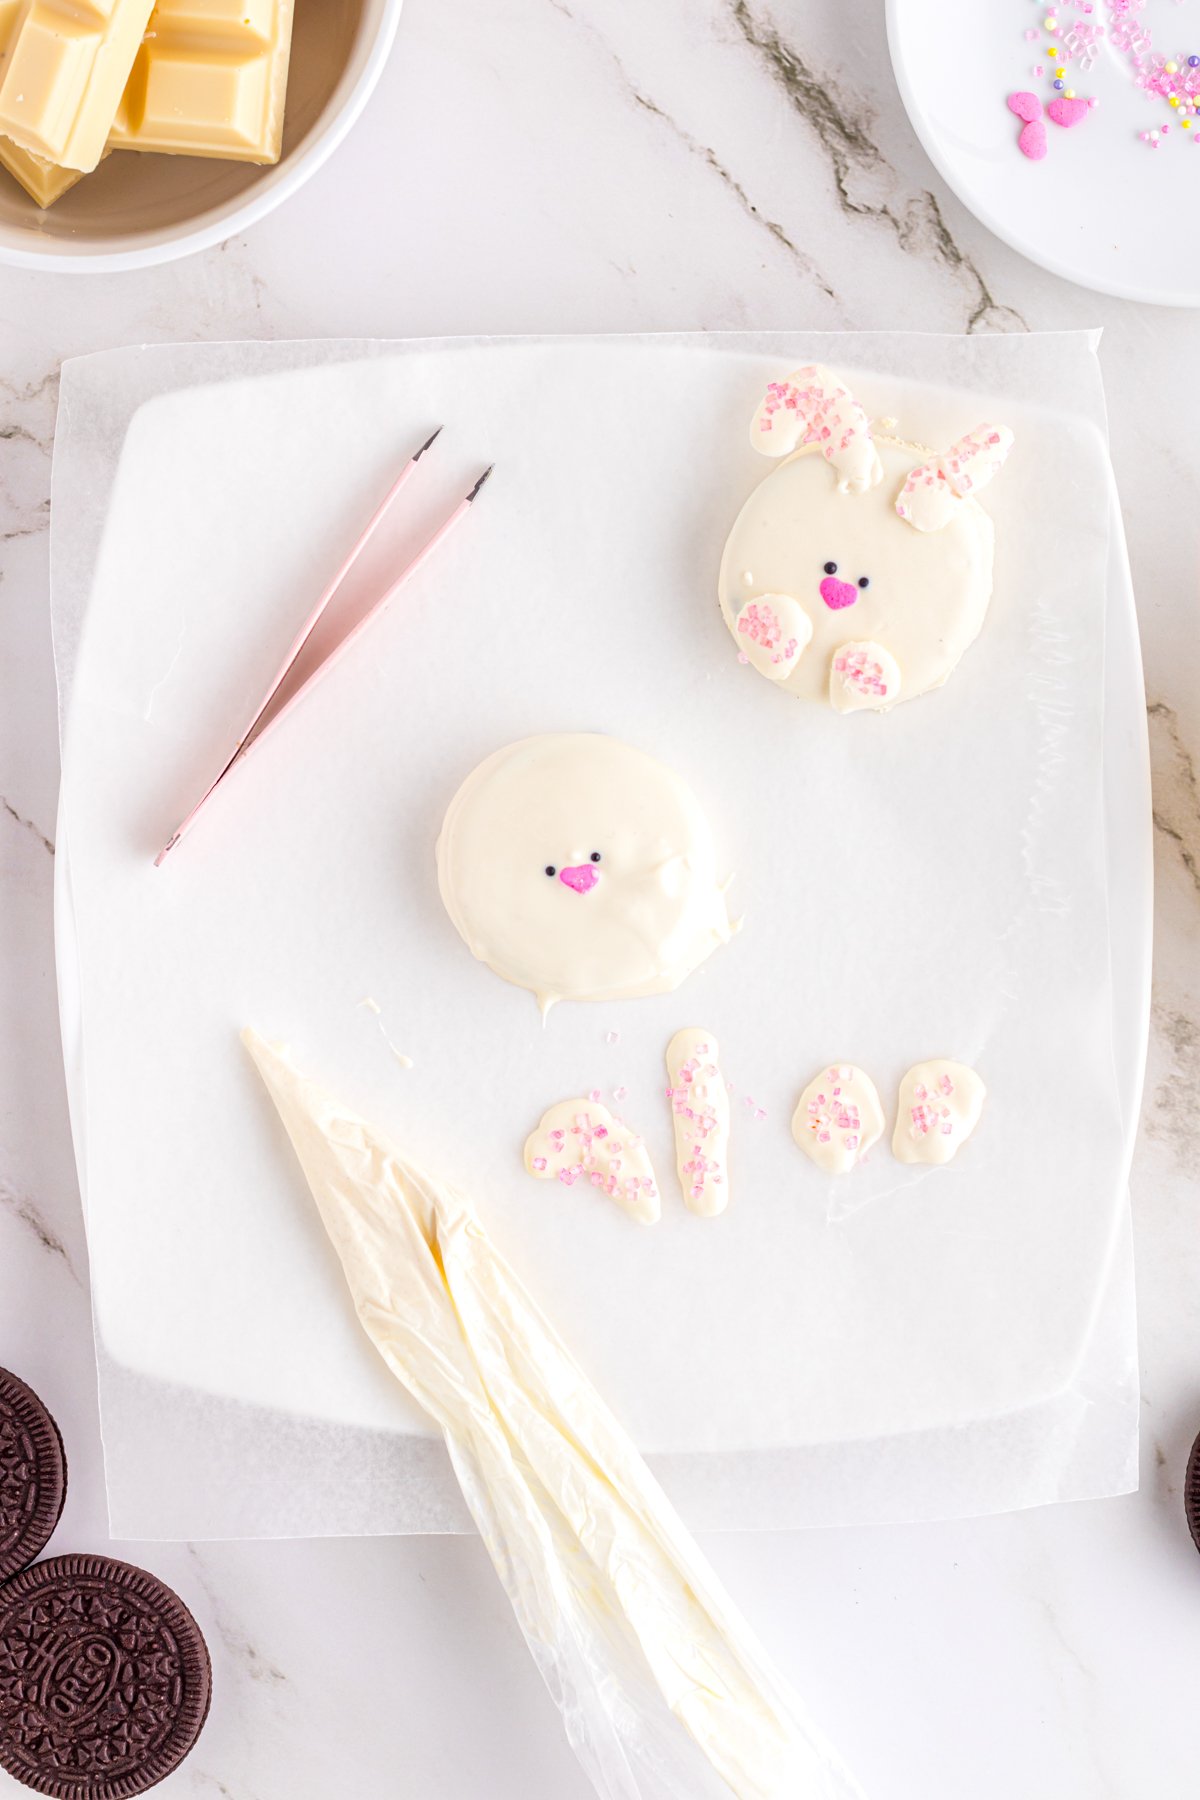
(104, 1679)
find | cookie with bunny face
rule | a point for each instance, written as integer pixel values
(582, 868)
(860, 571)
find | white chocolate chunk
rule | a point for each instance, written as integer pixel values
(863, 677)
(940, 1106)
(773, 632)
(700, 1111)
(838, 1118)
(580, 1141)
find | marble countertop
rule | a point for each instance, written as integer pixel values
(580, 165)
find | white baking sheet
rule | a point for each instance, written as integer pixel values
(907, 1343)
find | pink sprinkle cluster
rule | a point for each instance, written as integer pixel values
(599, 1167)
(1130, 35)
(1081, 43)
(861, 671)
(818, 412)
(956, 470)
(1126, 32)
(701, 1122)
(822, 413)
(833, 1112)
(930, 1113)
(761, 624)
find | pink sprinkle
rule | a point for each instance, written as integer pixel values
(742, 657)
(612, 1037)
(620, 1093)
(601, 1131)
(594, 1094)
(539, 1163)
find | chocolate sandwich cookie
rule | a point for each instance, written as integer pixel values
(104, 1678)
(1191, 1493)
(33, 1475)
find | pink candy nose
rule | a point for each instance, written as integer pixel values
(837, 594)
(582, 877)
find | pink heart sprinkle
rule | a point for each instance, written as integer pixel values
(837, 594)
(1032, 141)
(1067, 112)
(1026, 106)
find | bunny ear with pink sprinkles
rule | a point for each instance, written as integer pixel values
(811, 406)
(936, 489)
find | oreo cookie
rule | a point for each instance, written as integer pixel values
(1191, 1493)
(104, 1678)
(33, 1475)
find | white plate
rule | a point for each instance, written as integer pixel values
(234, 1384)
(1102, 208)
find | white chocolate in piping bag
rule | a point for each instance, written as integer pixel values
(664, 1691)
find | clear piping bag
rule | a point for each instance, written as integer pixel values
(664, 1691)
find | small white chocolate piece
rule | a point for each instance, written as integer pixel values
(838, 1118)
(773, 632)
(940, 1106)
(700, 1111)
(63, 68)
(863, 678)
(581, 1141)
(210, 79)
(44, 181)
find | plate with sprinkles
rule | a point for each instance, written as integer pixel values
(1072, 131)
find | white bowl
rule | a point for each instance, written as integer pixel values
(1103, 209)
(138, 209)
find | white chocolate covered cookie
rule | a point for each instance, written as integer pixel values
(940, 1106)
(838, 1118)
(700, 1112)
(580, 1141)
(581, 868)
(882, 550)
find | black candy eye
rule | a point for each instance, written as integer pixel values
(831, 568)
(864, 581)
(595, 856)
(550, 869)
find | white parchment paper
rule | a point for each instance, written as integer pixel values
(906, 1343)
